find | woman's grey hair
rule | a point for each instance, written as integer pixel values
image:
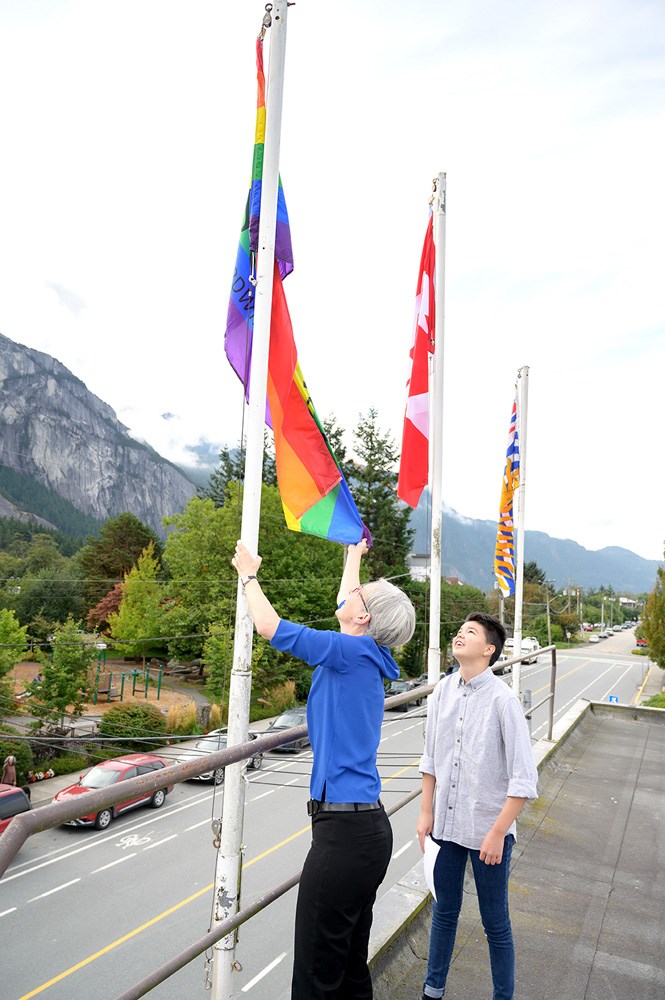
(393, 617)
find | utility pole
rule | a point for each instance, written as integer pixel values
(549, 620)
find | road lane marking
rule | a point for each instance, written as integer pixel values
(644, 684)
(158, 843)
(10, 910)
(197, 825)
(57, 889)
(402, 849)
(573, 700)
(263, 794)
(618, 681)
(119, 861)
(563, 676)
(264, 972)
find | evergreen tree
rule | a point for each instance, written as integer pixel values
(231, 469)
(373, 486)
(533, 573)
(104, 561)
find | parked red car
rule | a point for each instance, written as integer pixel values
(109, 772)
(641, 642)
(13, 801)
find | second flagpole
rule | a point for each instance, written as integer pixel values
(436, 444)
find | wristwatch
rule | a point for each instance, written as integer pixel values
(252, 576)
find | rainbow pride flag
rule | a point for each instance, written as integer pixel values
(315, 495)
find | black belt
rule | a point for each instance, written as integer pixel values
(314, 806)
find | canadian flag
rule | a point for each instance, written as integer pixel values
(414, 461)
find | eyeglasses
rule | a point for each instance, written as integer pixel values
(358, 591)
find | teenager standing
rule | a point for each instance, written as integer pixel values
(478, 771)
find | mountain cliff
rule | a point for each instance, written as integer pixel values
(58, 433)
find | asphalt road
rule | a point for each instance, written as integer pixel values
(85, 914)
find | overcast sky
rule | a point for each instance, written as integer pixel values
(127, 131)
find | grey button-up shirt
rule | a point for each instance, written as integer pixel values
(478, 748)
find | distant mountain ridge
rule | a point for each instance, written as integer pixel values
(468, 553)
(63, 451)
(59, 434)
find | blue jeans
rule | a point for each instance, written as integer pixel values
(492, 887)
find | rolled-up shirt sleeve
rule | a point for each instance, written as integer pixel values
(522, 771)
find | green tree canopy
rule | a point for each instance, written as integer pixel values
(13, 643)
(104, 561)
(533, 573)
(53, 593)
(140, 616)
(65, 685)
(653, 619)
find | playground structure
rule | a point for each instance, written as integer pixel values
(106, 682)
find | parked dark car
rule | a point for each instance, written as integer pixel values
(13, 801)
(109, 772)
(399, 687)
(214, 741)
(288, 720)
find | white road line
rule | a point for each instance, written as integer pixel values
(10, 910)
(609, 690)
(263, 794)
(574, 699)
(403, 849)
(264, 972)
(292, 781)
(119, 861)
(57, 889)
(196, 825)
(158, 843)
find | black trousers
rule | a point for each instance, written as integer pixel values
(345, 866)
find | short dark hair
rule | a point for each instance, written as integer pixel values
(494, 631)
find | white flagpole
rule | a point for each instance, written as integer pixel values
(436, 432)
(229, 859)
(522, 403)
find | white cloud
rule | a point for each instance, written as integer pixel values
(127, 132)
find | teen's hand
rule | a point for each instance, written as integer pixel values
(424, 827)
(491, 849)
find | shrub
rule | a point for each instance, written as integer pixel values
(640, 651)
(16, 748)
(279, 698)
(181, 720)
(69, 764)
(656, 701)
(217, 716)
(134, 726)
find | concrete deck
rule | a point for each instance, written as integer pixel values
(587, 890)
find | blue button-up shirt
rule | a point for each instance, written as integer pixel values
(478, 748)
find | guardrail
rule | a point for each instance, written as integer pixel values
(56, 813)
